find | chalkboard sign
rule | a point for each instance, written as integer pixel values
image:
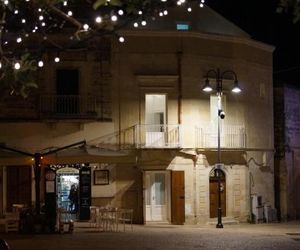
(85, 193)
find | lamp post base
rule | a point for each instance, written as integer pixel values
(219, 225)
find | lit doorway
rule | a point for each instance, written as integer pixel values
(157, 194)
(67, 189)
(155, 119)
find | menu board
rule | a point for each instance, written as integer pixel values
(85, 193)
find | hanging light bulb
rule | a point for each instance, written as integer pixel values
(19, 40)
(135, 24)
(16, 12)
(70, 13)
(56, 59)
(114, 18)
(98, 19)
(144, 23)
(23, 20)
(189, 9)
(6, 2)
(121, 39)
(41, 64)
(65, 3)
(41, 18)
(17, 66)
(121, 12)
(0, 65)
(86, 27)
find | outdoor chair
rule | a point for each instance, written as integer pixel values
(125, 217)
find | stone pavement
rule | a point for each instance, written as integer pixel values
(284, 236)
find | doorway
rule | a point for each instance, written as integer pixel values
(67, 90)
(67, 189)
(157, 195)
(19, 181)
(155, 119)
(214, 194)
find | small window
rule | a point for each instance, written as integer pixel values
(182, 26)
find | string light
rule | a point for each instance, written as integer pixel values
(17, 66)
(114, 18)
(98, 19)
(51, 23)
(86, 27)
(41, 64)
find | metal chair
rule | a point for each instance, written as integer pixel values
(125, 217)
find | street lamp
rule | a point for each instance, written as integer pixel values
(218, 75)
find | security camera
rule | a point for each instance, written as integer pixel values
(222, 114)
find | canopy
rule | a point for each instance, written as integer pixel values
(14, 158)
(88, 154)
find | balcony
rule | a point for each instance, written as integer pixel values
(73, 107)
(158, 136)
(231, 136)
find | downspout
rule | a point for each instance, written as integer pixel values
(119, 99)
(179, 72)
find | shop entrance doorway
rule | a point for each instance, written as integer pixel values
(67, 190)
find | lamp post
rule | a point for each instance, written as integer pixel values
(218, 76)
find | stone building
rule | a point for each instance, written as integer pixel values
(286, 124)
(150, 130)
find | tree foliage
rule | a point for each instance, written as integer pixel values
(291, 7)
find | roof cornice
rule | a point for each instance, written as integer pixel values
(224, 38)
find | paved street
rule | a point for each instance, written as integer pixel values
(152, 237)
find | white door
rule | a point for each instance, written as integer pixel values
(155, 119)
(156, 196)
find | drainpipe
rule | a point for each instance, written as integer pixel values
(179, 72)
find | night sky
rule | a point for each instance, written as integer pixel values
(260, 19)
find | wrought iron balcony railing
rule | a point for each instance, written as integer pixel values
(73, 107)
(158, 136)
(231, 136)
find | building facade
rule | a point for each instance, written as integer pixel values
(286, 103)
(150, 130)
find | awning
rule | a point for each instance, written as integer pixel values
(14, 159)
(88, 154)
(228, 157)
